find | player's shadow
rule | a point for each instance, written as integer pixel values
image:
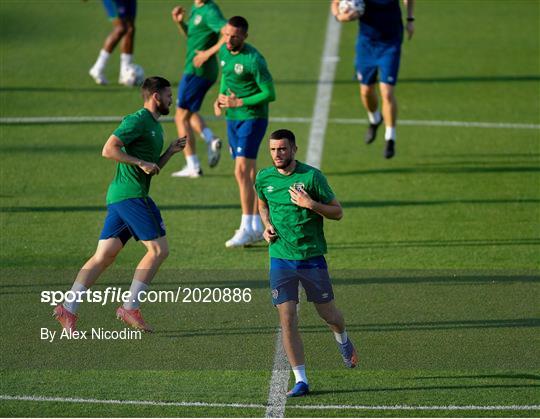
(435, 170)
(427, 80)
(481, 377)
(408, 203)
(425, 388)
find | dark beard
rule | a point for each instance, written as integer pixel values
(284, 164)
(163, 110)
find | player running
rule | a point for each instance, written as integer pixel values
(122, 14)
(136, 146)
(294, 198)
(245, 91)
(200, 73)
(378, 50)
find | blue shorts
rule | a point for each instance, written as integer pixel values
(245, 137)
(122, 9)
(137, 217)
(373, 57)
(191, 92)
(285, 275)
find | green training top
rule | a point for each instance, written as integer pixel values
(299, 230)
(204, 27)
(142, 136)
(243, 74)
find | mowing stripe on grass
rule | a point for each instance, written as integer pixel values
(513, 407)
(53, 120)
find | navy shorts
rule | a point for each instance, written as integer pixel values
(122, 9)
(245, 137)
(136, 217)
(285, 275)
(377, 57)
(191, 92)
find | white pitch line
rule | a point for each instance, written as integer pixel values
(299, 120)
(279, 381)
(323, 97)
(513, 407)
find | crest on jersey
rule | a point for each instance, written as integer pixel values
(299, 186)
(238, 68)
(197, 20)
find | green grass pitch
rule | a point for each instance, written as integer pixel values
(435, 264)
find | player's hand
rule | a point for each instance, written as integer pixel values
(347, 16)
(178, 145)
(300, 197)
(200, 58)
(269, 234)
(149, 168)
(217, 108)
(230, 101)
(178, 14)
(410, 30)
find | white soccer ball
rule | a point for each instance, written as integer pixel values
(346, 6)
(132, 76)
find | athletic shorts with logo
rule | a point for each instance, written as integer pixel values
(245, 136)
(312, 273)
(139, 218)
(191, 92)
(122, 9)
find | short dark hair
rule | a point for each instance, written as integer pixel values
(153, 85)
(239, 22)
(282, 134)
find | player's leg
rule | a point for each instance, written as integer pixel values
(144, 219)
(284, 287)
(97, 71)
(333, 317)
(244, 140)
(366, 73)
(213, 143)
(389, 66)
(191, 92)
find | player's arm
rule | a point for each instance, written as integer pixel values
(409, 5)
(222, 90)
(269, 233)
(203, 56)
(113, 150)
(343, 17)
(332, 210)
(267, 94)
(175, 147)
(178, 17)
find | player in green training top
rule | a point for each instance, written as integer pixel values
(136, 147)
(294, 198)
(245, 91)
(200, 73)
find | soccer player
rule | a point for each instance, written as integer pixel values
(122, 14)
(200, 73)
(136, 146)
(378, 50)
(294, 198)
(245, 91)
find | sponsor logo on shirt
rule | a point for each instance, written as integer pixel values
(197, 20)
(222, 63)
(270, 188)
(238, 68)
(153, 133)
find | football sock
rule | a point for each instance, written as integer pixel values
(246, 222)
(78, 289)
(193, 162)
(341, 337)
(125, 60)
(390, 133)
(207, 135)
(102, 59)
(374, 117)
(300, 373)
(134, 300)
(256, 223)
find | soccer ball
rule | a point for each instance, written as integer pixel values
(132, 76)
(346, 6)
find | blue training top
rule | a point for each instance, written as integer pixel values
(381, 21)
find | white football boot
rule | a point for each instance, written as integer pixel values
(241, 238)
(214, 152)
(188, 172)
(98, 76)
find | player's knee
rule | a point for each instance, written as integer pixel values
(289, 321)
(388, 96)
(120, 29)
(129, 29)
(105, 259)
(159, 252)
(241, 172)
